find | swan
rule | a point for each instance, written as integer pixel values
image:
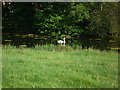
(61, 41)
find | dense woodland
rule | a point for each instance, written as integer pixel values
(63, 18)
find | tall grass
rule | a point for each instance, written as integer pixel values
(0, 67)
(52, 47)
(44, 67)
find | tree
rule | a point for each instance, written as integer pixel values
(103, 19)
(18, 18)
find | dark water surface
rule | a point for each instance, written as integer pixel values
(31, 40)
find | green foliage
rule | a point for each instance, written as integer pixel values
(57, 19)
(18, 18)
(79, 12)
(103, 19)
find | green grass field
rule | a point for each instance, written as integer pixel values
(35, 68)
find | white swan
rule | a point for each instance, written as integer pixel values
(61, 41)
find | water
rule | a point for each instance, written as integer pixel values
(31, 40)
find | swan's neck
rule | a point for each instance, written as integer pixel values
(64, 41)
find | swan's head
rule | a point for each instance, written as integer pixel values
(64, 38)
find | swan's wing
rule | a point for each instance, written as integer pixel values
(59, 41)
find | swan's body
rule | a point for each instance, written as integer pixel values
(61, 41)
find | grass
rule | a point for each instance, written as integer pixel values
(0, 67)
(40, 68)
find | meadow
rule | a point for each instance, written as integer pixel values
(43, 67)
